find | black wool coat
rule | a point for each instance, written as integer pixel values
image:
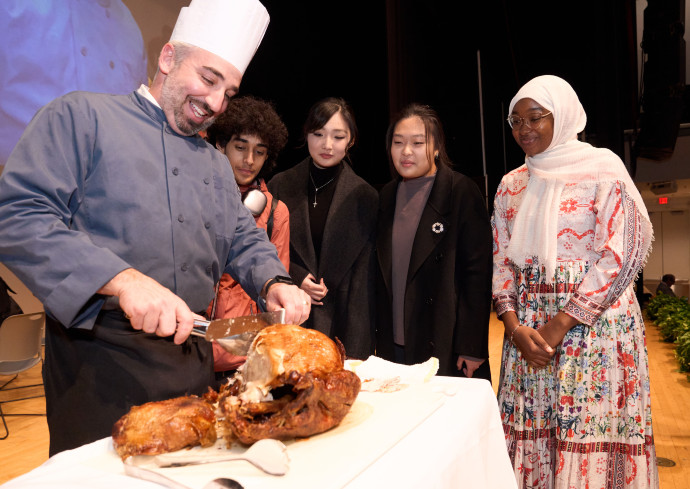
(347, 260)
(448, 292)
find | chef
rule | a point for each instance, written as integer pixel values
(120, 219)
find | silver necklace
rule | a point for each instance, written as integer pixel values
(316, 189)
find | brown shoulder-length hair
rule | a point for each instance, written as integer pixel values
(432, 128)
(322, 111)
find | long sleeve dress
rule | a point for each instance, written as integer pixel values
(585, 419)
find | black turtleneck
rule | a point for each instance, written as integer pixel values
(325, 180)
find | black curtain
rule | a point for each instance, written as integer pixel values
(381, 55)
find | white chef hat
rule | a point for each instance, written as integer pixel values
(231, 29)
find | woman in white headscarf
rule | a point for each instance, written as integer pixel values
(571, 232)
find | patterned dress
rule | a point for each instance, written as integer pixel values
(583, 421)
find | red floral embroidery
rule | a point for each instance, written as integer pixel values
(568, 205)
(574, 233)
(633, 470)
(567, 400)
(583, 468)
(621, 402)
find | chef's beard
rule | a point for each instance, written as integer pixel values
(186, 126)
(172, 97)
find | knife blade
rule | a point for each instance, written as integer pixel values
(236, 334)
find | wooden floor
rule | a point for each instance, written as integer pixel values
(27, 444)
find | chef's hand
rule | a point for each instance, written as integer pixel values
(149, 306)
(294, 300)
(316, 291)
(470, 365)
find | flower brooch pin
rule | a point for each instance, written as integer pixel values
(437, 227)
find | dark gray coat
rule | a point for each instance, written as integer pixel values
(347, 262)
(448, 292)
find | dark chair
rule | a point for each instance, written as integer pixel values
(21, 339)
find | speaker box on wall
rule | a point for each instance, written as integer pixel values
(663, 80)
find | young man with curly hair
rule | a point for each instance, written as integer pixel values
(251, 134)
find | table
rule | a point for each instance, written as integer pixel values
(445, 433)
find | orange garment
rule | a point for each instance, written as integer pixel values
(232, 300)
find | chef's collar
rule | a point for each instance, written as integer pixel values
(143, 90)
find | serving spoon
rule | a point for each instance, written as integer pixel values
(152, 476)
(267, 454)
(223, 483)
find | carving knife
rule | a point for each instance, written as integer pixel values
(236, 334)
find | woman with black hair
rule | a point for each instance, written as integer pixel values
(571, 232)
(434, 254)
(332, 226)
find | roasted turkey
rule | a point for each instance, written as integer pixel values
(292, 385)
(165, 426)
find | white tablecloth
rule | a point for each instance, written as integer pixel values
(445, 433)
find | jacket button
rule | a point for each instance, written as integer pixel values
(184, 267)
(207, 180)
(429, 301)
(207, 225)
(175, 171)
(439, 257)
(180, 218)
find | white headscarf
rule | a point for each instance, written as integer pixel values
(566, 160)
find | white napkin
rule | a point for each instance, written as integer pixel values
(379, 375)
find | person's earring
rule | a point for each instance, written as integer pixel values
(436, 156)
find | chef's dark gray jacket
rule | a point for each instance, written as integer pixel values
(98, 184)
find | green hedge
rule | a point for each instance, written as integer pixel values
(672, 315)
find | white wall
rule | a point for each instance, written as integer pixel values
(671, 248)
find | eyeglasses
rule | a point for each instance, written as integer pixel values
(533, 121)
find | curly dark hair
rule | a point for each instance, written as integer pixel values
(251, 116)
